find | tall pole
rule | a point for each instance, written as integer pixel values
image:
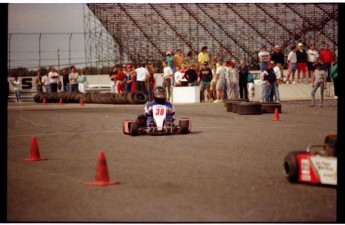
(69, 50)
(39, 51)
(58, 60)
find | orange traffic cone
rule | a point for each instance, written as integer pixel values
(60, 103)
(44, 101)
(276, 115)
(102, 175)
(34, 152)
(81, 102)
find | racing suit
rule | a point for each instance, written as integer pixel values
(149, 113)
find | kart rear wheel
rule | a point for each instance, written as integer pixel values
(133, 129)
(291, 166)
(184, 126)
(331, 145)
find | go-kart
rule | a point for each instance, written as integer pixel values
(316, 165)
(160, 125)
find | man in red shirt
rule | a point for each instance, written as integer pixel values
(326, 57)
(120, 80)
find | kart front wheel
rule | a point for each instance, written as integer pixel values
(133, 129)
(184, 126)
(291, 167)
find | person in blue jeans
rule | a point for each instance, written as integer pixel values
(159, 96)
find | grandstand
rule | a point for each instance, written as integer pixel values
(144, 32)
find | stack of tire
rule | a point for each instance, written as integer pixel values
(93, 97)
(244, 107)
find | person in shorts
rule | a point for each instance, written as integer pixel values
(302, 61)
(205, 80)
(292, 64)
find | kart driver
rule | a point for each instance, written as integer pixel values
(159, 98)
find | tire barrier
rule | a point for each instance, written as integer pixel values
(226, 101)
(249, 108)
(93, 97)
(230, 102)
(269, 107)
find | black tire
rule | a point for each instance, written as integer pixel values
(37, 98)
(235, 106)
(133, 129)
(331, 145)
(249, 108)
(184, 125)
(234, 100)
(291, 169)
(44, 96)
(130, 97)
(88, 97)
(140, 98)
(95, 97)
(270, 107)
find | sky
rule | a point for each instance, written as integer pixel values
(41, 18)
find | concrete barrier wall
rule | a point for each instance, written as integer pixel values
(287, 92)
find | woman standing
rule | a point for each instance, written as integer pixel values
(82, 81)
(38, 82)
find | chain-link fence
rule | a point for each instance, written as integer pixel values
(36, 50)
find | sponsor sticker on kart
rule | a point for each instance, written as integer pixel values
(326, 168)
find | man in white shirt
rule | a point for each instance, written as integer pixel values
(142, 74)
(292, 64)
(73, 77)
(277, 71)
(53, 79)
(264, 57)
(46, 83)
(313, 57)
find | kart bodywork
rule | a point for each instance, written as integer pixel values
(316, 165)
(161, 125)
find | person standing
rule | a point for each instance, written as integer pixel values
(38, 82)
(128, 82)
(151, 80)
(73, 79)
(277, 72)
(243, 77)
(278, 58)
(302, 60)
(167, 76)
(220, 82)
(270, 81)
(313, 58)
(319, 81)
(334, 75)
(82, 82)
(213, 84)
(191, 75)
(53, 79)
(178, 58)
(17, 86)
(264, 57)
(141, 73)
(232, 81)
(292, 65)
(190, 59)
(326, 58)
(46, 83)
(65, 80)
(251, 86)
(203, 56)
(112, 75)
(205, 80)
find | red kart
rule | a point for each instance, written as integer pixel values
(316, 165)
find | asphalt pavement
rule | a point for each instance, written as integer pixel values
(229, 169)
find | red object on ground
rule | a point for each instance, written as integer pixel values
(276, 115)
(34, 151)
(60, 103)
(102, 175)
(44, 101)
(81, 102)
